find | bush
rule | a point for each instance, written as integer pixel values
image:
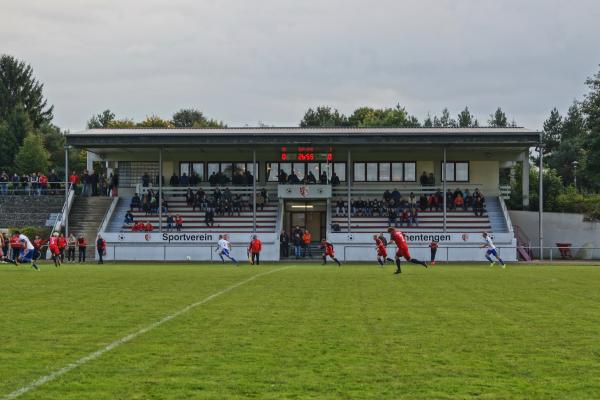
(572, 201)
(32, 231)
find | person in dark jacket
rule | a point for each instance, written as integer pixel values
(297, 239)
(101, 248)
(284, 244)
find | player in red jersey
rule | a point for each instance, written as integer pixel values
(54, 249)
(382, 256)
(38, 243)
(328, 251)
(398, 238)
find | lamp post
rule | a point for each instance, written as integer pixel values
(575, 164)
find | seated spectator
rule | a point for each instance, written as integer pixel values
(165, 206)
(170, 222)
(396, 195)
(128, 217)
(145, 180)
(414, 217)
(148, 227)
(405, 217)
(178, 222)
(136, 202)
(412, 201)
(340, 208)
(237, 204)
(432, 202)
(138, 227)
(392, 216)
(260, 201)
(459, 201)
(335, 180)
(423, 202)
(449, 200)
(209, 218)
(189, 197)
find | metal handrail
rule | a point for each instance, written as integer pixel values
(505, 212)
(108, 215)
(65, 210)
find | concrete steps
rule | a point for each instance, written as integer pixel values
(86, 216)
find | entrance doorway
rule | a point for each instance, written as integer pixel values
(308, 215)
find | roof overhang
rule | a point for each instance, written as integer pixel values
(149, 138)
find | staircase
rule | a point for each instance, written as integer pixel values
(86, 216)
(495, 214)
(118, 216)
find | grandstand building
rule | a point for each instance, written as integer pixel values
(350, 166)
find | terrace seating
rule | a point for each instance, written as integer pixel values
(194, 221)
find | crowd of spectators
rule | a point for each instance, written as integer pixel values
(402, 210)
(39, 183)
(216, 203)
(309, 179)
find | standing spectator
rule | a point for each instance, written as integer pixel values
(170, 222)
(297, 239)
(82, 245)
(414, 217)
(335, 180)
(94, 180)
(260, 201)
(284, 244)
(71, 243)
(74, 180)
(209, 217)
(178, 222)
(306, 240)
(424, 180)
(254, 249)
(145, 179)
(54, 181)
(87, 183)
(42, 183)
(114, 184)
(62, 245)
(101, 248)
(4, 179)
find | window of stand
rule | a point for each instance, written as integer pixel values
(457, 171)
(302, 169)
(404, 171)
(189, 167)
(230, 169)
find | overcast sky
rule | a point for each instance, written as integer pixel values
(245, 61)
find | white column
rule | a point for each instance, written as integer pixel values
(254, 172)
(349, 184)
(160, 188)
(525, 179)
(444, 187)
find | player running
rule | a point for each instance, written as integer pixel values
(54, 249)
(382, 256)
(491, 249)
(223, 249)
(328, 252)
(27, 251)
(398, 238)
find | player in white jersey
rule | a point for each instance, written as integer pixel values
(491, 250)
(27, 251)
(223, 249)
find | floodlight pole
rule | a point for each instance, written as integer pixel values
(160, 189)
(541, 199)
(444, 187)
(66, 208)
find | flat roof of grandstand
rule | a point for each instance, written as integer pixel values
(143, 137)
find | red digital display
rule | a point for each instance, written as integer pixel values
(305, 154)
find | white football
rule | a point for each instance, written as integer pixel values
(188, 258)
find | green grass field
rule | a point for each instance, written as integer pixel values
(356, 332)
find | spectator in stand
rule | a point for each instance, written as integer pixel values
(54, 180)
(114, 185)
(74, 180)
(335, 180)
(405, 217)
(340, 208)
(174, 181)
(282, 177)
(414, 217)
(310, 178)
(323, 178)
(423, 202)
(145, 180)
(248, 178)
(306, 239)
(194, 180)
(62, 245)
(440, 199)
(479, 203)
(209, 217)
(71, 244)
(459, 202)
(136, 203)
(431, 179)
(128, 217)
(189, 197)
(260, 201)
(284, 244)
(297, 240)
(178, 222)
(94, 179)
(4, 180)
(184, 180)
(42, 183)
(412, 201)
(148, 227)
(82, 246)
(468, 199)
(449, 200)
(293, 178)
(86, 181)
(432, 202)
(392, 217)
(237, 204)
(101, 248)
(254, 249)
(423, 179)
(396, 196)
(170, 222)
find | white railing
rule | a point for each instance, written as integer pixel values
(108, 216)
(506, 215)
(65, 211)
(416, 189)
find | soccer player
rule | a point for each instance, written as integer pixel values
(54, 249)
(398, 237)
(37, 245)
(15, 248)
(328, 252)
(254, 249)
(27, 250)
(223, 249)
(491, 250)
(381, 250)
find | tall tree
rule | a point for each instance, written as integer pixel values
(445, 121)
(323, 116)
(8, 148)
(19, 88)
(154, 121)
(396, 117)
(32, 156)
(498, 119)
(591, 109)
(466, 119)
(428, 123)
(101, 120)
(553, 127)
(188, 117)
(19, 123)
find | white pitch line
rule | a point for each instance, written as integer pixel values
(92, 356)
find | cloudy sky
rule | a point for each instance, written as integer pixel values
(267, 61)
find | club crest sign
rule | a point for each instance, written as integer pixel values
(304, 191)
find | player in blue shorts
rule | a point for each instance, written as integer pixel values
(491, 250)
(27, 251)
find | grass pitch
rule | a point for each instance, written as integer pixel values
(356, 332)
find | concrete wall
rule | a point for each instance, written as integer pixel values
(561, 228)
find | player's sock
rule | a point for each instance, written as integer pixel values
(380, 262)
(489, 259)
(337, 261)
(324, 260)
(398, 269)
(390, 259)
(33, 265)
